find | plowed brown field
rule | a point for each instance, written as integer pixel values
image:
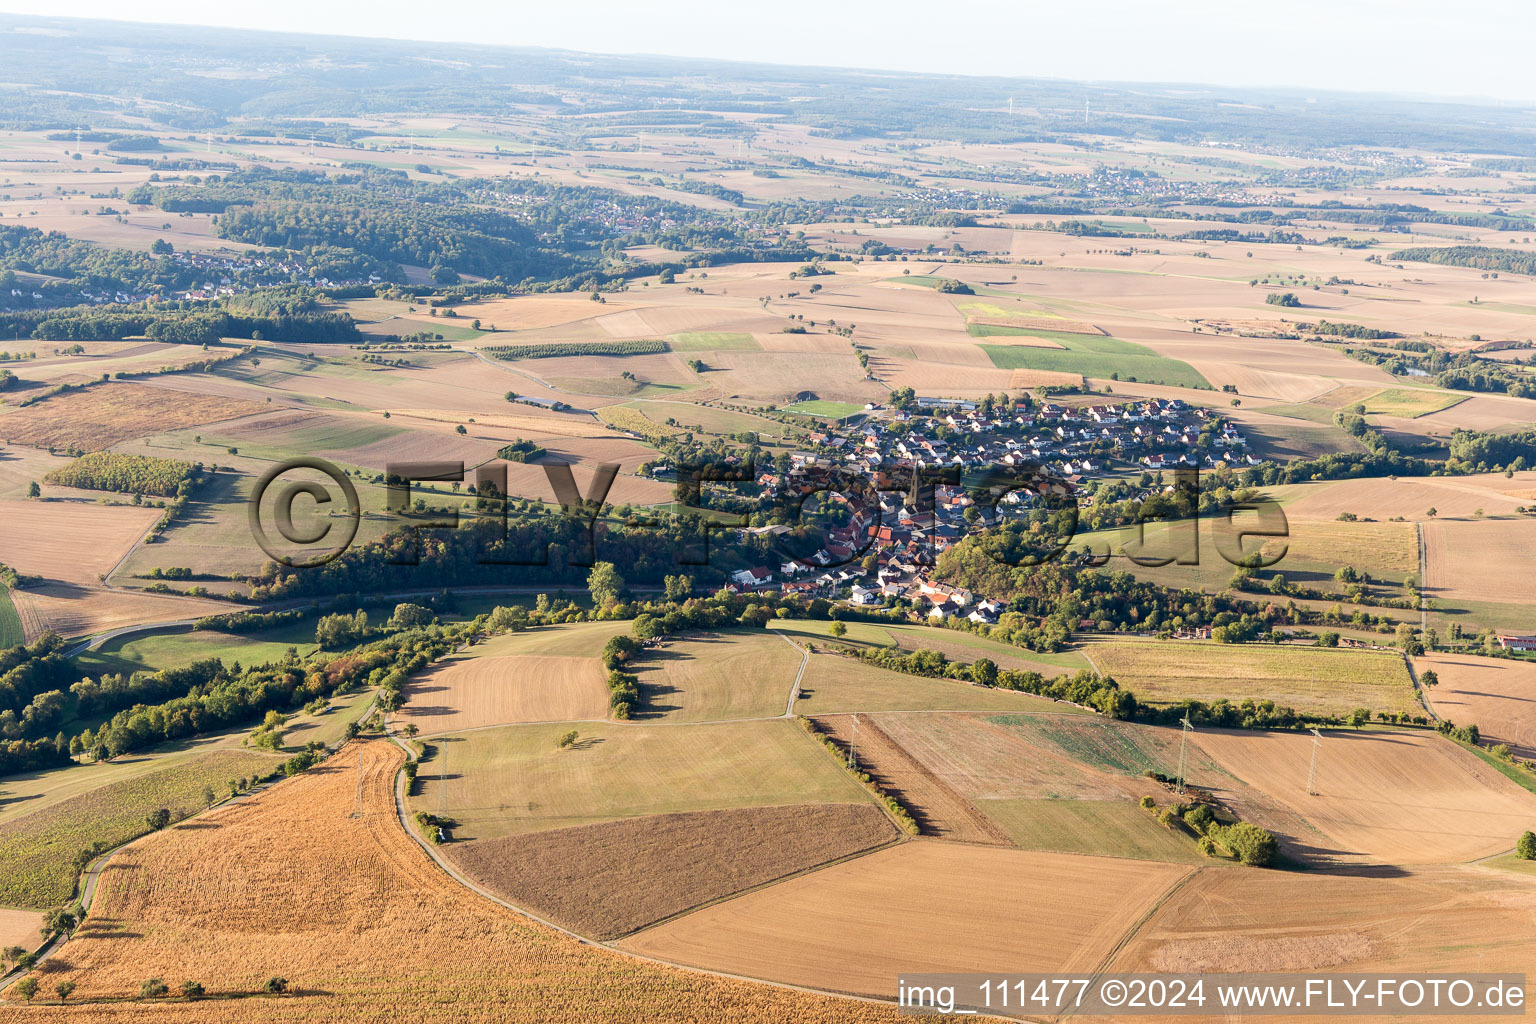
(610, 879)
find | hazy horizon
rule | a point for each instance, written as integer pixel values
(1194, 42)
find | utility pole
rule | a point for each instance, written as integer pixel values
(1183, 747)
(1317, 741)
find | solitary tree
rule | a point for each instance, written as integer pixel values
(567, 740)
(27, 988)
(158, 819)
(65, 989)
(839, 629)
(1525, 849)
(34, 491)
(604, 583)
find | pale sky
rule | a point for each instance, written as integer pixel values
(1419, 47)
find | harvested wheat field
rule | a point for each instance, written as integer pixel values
(1498, 695)
(1491, 560)
(71, 609)
(1432, 920)
(363, 926)
(1387, 797)
(856, 926)
(43, 538)
(1410, 498)
(611, 879)
(107, 414)
(466, 693)
(1316, 679)
(937, 808)
(22, 928)
(717, 676)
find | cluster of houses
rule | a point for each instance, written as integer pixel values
(221, 275)
(894, 531)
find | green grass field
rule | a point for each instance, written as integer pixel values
(511, 780)
(1410, 402)
(1100, 828)
(37, 849)
(11, 632)
(828, 410)
(175, 650)
(1310, 679)
(858, 632)
(1089, 355)
(835, 684)
(713, 341)
(715, 676)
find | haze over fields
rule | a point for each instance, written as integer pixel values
(618, 538)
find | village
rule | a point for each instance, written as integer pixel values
(886, 537)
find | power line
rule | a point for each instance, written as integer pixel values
(1183, 747)
(1317, 741)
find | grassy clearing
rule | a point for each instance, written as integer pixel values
(834, 685)
(858, 632)
(1410, 403)
(1102, 828)
(714, 341)
(37, 850)
(1310, 679)
(11, 632)
(514, 780)
(1089, 355)
(176, 650)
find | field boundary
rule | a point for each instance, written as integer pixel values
(452, 872)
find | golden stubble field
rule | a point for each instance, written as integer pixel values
(45, 538)
(474, 692)
(1498, 695)
(1432, 920)
(1392, 797)
(921, 906)
(362, 925)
